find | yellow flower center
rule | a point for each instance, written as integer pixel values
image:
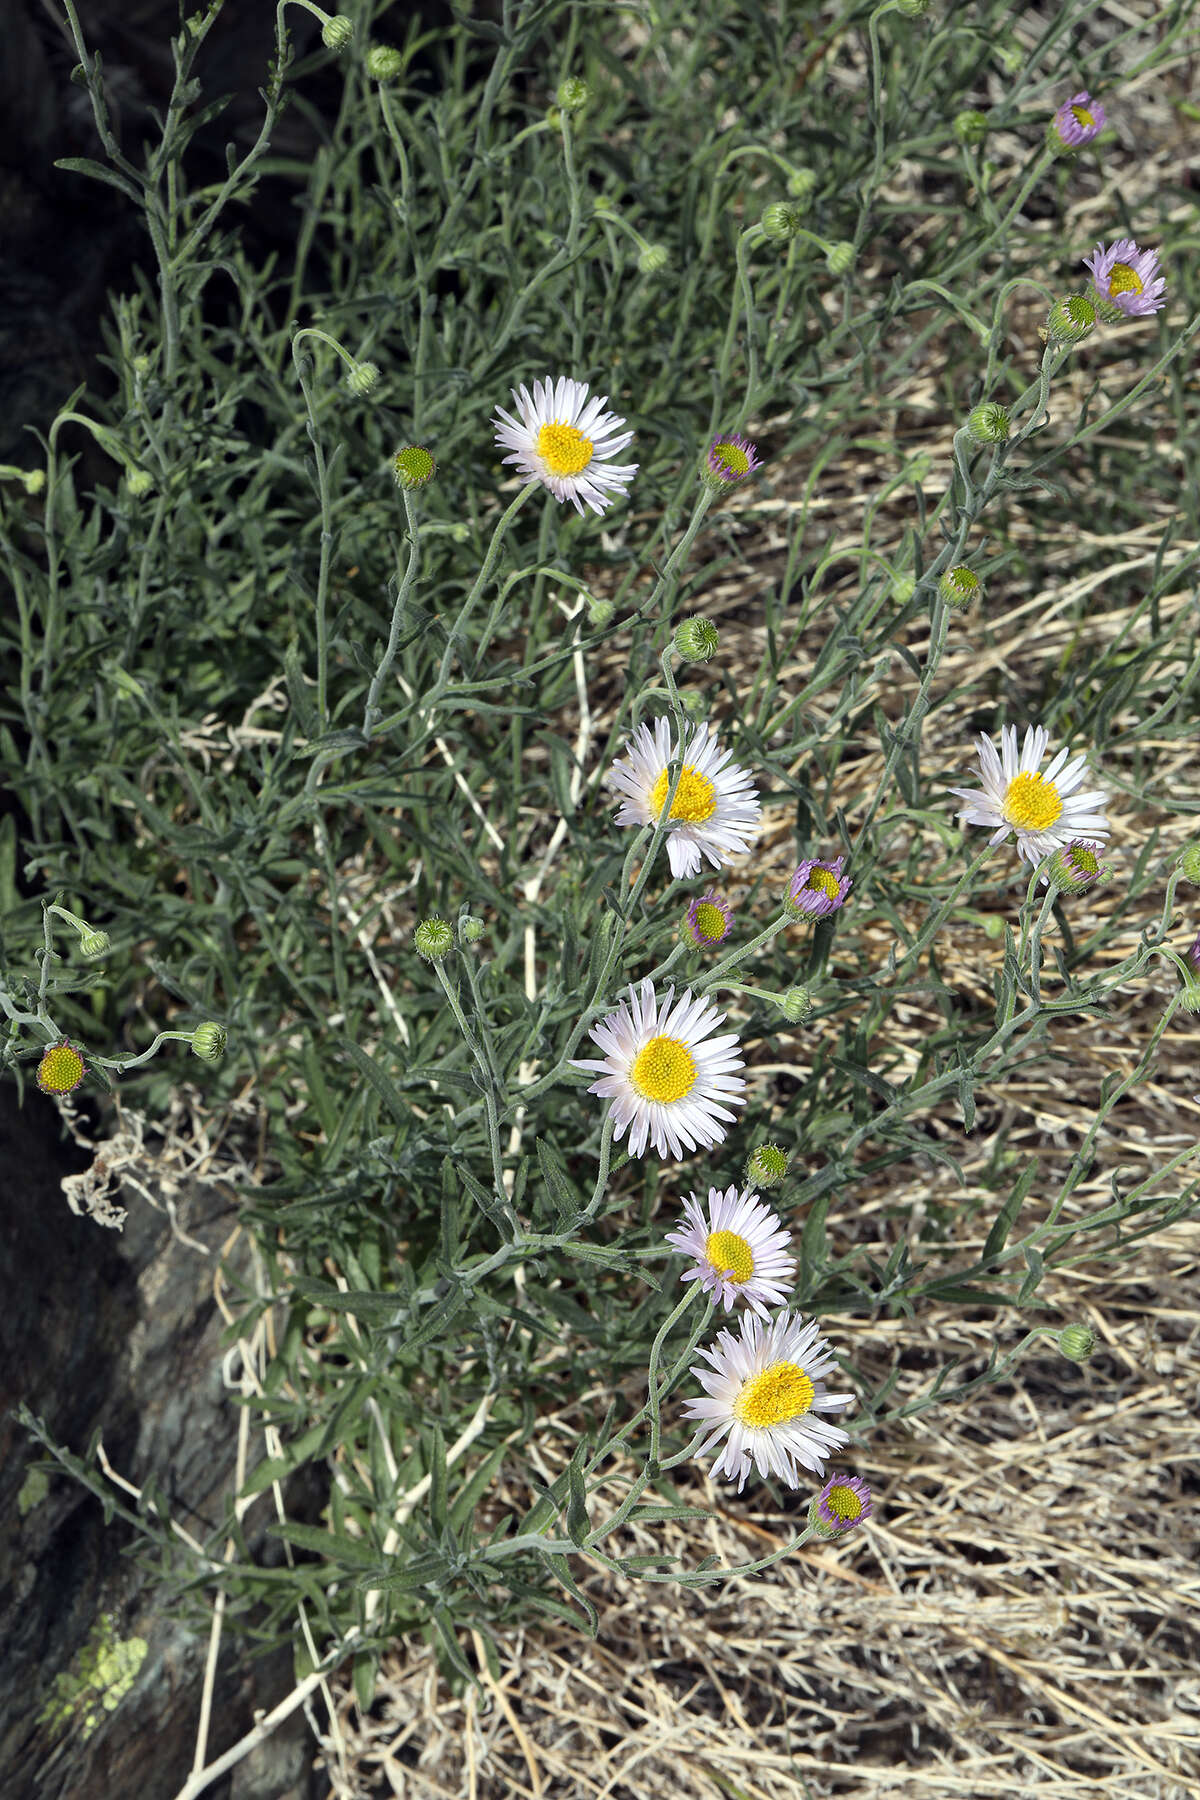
(843, 1502)
(1124, 280)
(710, 920)
(1031, 803)
(732, 457)
(695, 797)
(780, 1393)
(1082, 116)
(822, 882)
(1083, 860)
(730, 1255)
(564, 449)
(59, 1069)
(664, 1069)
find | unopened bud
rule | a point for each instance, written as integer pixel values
(989, 423)
(433, 938)
(1070, 320)
(959, 587)
(363, 377)
(384, 63)
(209, 1040)
(766, 1166)
(781, 222)
(1077, 1342)
(337, 32)
(696, 640)
(839, 258)
(573, 93)
(970, 127)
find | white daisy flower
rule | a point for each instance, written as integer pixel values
(1044, 809)
(764, 1389)
(716, 810)
(666, 1077)
(565, 440)
(738, 1250)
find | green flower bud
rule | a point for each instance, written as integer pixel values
(600, 612)
(801, 186)
(94, 943)
(413, 466)
(1189, 996)
(572, 94)
(839, 259)
(209, 1040)
(796, 1004)
(653, 259)
(696, 640)
(781, 222)
(34, 480)
(993, 927)
(903, 589)
(912, 9)
(139, 483)
(970, 127)
(363, 377)
(989, 423)
(470, 929)
(694, 704)
(959, 587)
(1077, 1342)
(766, 1166)
(141, 366)
(1070, 320)
(384, 63)
(1189, 862)
(433, 938)
(337, 32)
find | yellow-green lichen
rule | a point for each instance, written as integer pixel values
(97, 1681)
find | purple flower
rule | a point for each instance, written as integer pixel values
(1077, 121)
(1125, 280)
(730, 459)
(818, 888)
(843, 1503)
(708, 920)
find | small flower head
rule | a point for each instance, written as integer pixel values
(764, 1394)
(139, 482)
(470, 929)
(766, 1166)
(696, 640)
(730, 459)
(1070, 321)
(1041, 807)
(843, 1503)
(989, 423)
(818, 888)
(1077, 1342)
(801, 185)
(209, 1040)
(959, 587)
(34, 480)
(738, 1251)
(903, 588)
(708, 920)
(413, 466)
(653, 259)
(780, 222)
(61, 1069)
(600, 612)
(93, 943)
(796, 1005)
(363, 377)
(1076, 867)
(1189, 862)
(384, 63)
(337, 32)
(970, 127)
(573, 93)
(671, 1082)
(839, 258)
(715, 812)
(1125, 281)
(567, 442)
(1077, 121)
(433, 938)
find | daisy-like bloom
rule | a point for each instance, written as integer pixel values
(1077, 121)
(1125, 281)
(715, 811)
(1043, 808)
(730, 459)
(61, 1069)
(566, 441)
(818, 888)
(843, 1503)
(738, 1249)
(670, 1082)
(708, 919)
(765, 1390)
(1077, 867)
